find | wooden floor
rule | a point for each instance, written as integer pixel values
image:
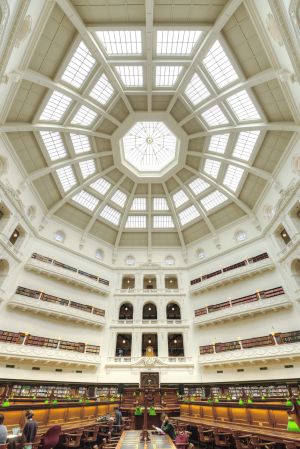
(130, 439)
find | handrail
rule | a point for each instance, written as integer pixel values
(259, 295)
(68, 267)
(20, 338)
(279, 338)
(55, 299)
(243, 263)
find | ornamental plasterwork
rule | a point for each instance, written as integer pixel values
(24, 31)
(254, 354)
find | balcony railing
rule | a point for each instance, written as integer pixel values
(148, 291)
(125, 360)
(68, 272)
(291, 246)
(265, 347)
(26, 346)
(152, 322)
(53, 305)
(240, 269)
(240, 306)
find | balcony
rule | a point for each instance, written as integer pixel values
(149, 362)
(259, 302)
(149, 291)
(40, 302)
(245, 268)
(270, 347)
(150, 323)
(66, 273)
(24, 347)
(290, 247)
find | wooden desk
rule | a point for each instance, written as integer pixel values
(131, 439)
(267, 434)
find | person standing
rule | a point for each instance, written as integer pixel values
(3, 430)
(30, 429)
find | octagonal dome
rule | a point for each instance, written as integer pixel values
(149, 146)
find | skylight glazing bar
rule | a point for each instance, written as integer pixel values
(243, 107)
(212, 167)
(160, 204)
(101, 186)
(66, 177)
(198, 185)
(162, 222)
(84, 116)
(212, 200)
(121, 42)
(110, 214)
(180, 198)
(214, 116)
(232, 177)
(119, 198)
(54, 145)
(218, 143)
(138, 204)
(131, 75)
(79, 67)
(176, 42)
(245, 145)
(167, 75)
(102, 90)
(136, 222)
(86, 200)
(188, 215)
(81, 143)
(196, 91)
(219, 66)
(87, 168)
(56, 107)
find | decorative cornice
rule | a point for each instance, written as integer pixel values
(151, 363)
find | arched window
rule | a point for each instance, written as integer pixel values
(240, 236)
(126, 311)
(173, 311)
(149, 311)
(99, 254)
(130, 260)
(4, 269)
(59, 236)
(169, 260)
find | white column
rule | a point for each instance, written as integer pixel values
(136, 345)
(162, 340)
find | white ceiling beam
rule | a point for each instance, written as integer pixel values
(227, 160)
(224, 190)
(176, 221)
(36, 174)
(272, 126)
(197, 205)
(42, 80)
(124, 218)
(255, 80)
(93, 46)
(99, 209)
(228, 10)
(14, 127)
(149, 6)
(73, 192)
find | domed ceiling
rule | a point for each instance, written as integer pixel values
(149, 122)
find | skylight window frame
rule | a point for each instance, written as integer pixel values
(52, 143)
(68, 173)
(109, 211)
(121, 198)
(199, 103)
(87, 168)
(160, 208)
(167, 222)
(198, 192)
(240, 175)
(212, 167)
(78, 144)
(177, 28)
(168, 85)
(140, 200)
(104, 190)
(68, 59)
(112, 56)
(141, 222)
(180, 198)
(92, 85)
(217, 140)
(86, 111)
(45, 103)
(183, 213)
(216, 108)
(252, 99)
(252, 154)
(85, 197)
(216, 206)
(130, 85)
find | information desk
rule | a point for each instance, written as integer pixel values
(131, 439)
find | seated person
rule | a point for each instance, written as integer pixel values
(182, 439)
(3, 430)
(30, 429)
(167, 428)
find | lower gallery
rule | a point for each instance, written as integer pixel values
(149, 224)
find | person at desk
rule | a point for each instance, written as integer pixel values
(166, 428)
(3, 430)
(30, 429)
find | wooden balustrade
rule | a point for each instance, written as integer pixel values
(55, 299)
(267, 340)
(245, 262)
(21, 338)
(56, 263)
(264, 294)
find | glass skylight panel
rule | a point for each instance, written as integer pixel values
(56, 107)
(214, 199)
(160, 204)
(87, 168)
(245, 144)
(243, 107)
(119, 198)
(218, 143)
(102, 91)
(136, 221)
(121, 42)
(85, 199)
(198, 186)
(101, 186)
(131, 75)
(81, 143)
(111, 214)
(167, 75)
(196, 90)
(138, 204)
(84, 116)
(212, 167)
(66, 177)
(219, 66)
(79, 67)
(54, 145)
(188, 215)
(214, 116)
(232, 177)
(180, 198)
(162, 222)
(176, 42)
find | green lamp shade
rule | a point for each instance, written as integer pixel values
(46, 401)
(250, 401)
(289, 403)
(55, 401)
(217, 400)
(241, 402)
(138, 411)
(5, 404)
(152, 411)
(292, 426)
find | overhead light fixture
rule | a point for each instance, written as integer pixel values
(149, 308)
(175, 341)
(128, 281)
(124, 341)
(171, 281)
(173, 309)
(126, 308)
(149, 341)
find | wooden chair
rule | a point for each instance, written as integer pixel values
(242, 441)
(72, 440)
(90, 436)
(206, 437)
(258, 443)
(222, 439)
(289, 445)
